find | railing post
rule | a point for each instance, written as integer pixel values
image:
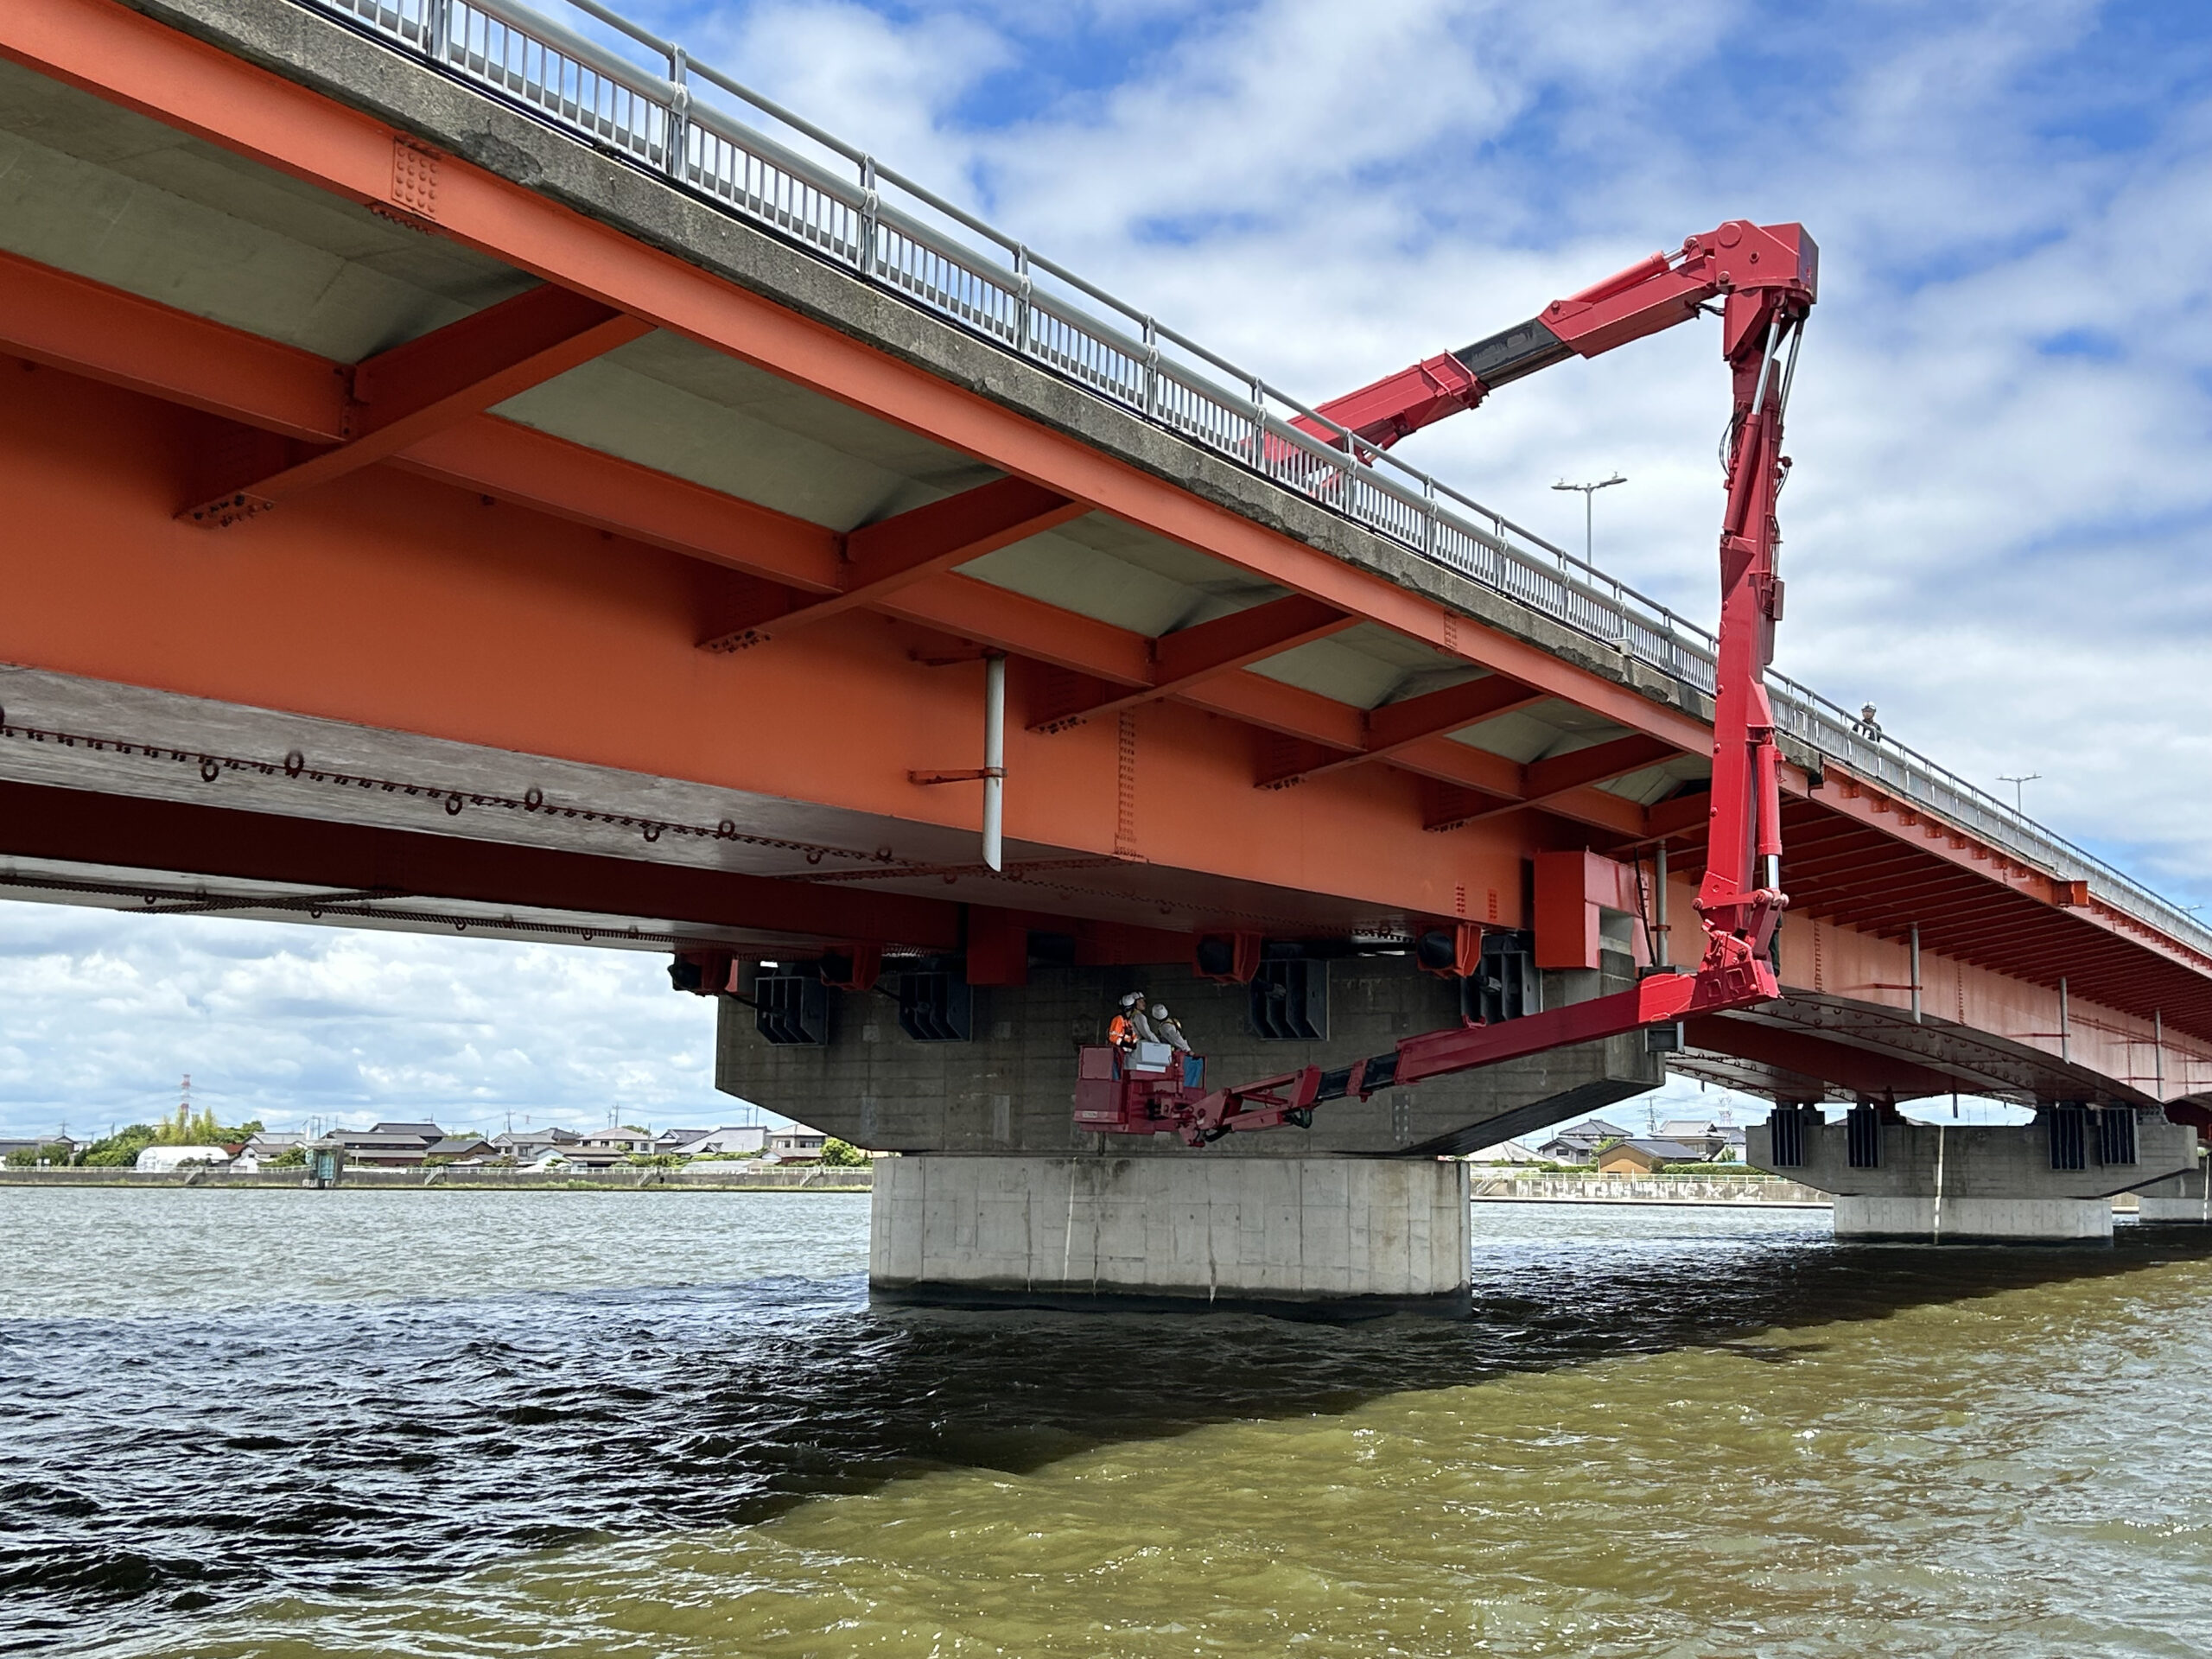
(1151, 368)
(1021, 286)
(675, 138)
(869, 203)
(439, 38)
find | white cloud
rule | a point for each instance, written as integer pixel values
(107, 1012)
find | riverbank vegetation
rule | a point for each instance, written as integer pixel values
(183, 1128)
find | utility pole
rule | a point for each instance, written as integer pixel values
(1587, 490)
(2020, 782)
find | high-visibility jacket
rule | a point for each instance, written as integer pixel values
(1122, 1034)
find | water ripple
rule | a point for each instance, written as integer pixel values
(170, 1453)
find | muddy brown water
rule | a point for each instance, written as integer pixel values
(290, 1423)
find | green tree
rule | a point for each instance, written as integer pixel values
(290, 1158)
(186, 1127)
(842, 1154)
(182, 1129)
(121, 1149)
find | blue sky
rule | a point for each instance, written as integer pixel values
(1997, 528)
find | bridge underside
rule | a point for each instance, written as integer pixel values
(419, 519)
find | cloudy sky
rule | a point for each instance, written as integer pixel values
(1996, 527)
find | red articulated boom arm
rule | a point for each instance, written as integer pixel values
(1765, 275)
(1651, 295)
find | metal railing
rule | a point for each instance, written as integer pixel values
(658, 118)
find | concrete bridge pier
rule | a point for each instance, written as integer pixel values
(2185, 1198)
(997, 1200)
(2051, 1181)
(1334, 1237)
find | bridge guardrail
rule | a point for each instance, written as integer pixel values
(1039, 310)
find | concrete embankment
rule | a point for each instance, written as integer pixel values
(737, 1178)
(709, 1178)
(1743, 1191)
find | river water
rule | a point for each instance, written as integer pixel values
(291, 1423)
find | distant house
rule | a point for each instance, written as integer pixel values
(524, 1145)
(459, 1149)
(263, 1148)
(601, 1148)
(1641, 1157)
(1579, 1144)
(1720, 1141)
(1507, 1152)
(162, 1160)
(388, 1146)
(797, 1144)
(730, 1138)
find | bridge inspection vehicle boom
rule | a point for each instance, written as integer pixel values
(1764, 277)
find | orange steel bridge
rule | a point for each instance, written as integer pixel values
(424, 514)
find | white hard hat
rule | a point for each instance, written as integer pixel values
(1160, 1010)
(1131, 999)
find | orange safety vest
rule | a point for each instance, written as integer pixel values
(1122, 1034)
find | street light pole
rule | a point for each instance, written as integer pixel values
(1587, 490)
(2020, 782)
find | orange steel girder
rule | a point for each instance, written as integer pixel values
(1810, 1055)
(881, 560)
(414, 390)
(901, 568)
(401, 604)
(1396, 728)
(1188, 658)
(1869, 860)
(119, 55)
(1542, 782)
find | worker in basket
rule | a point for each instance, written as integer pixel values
(1123, 1032)
(1163, 1024)
(1167, 1031)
